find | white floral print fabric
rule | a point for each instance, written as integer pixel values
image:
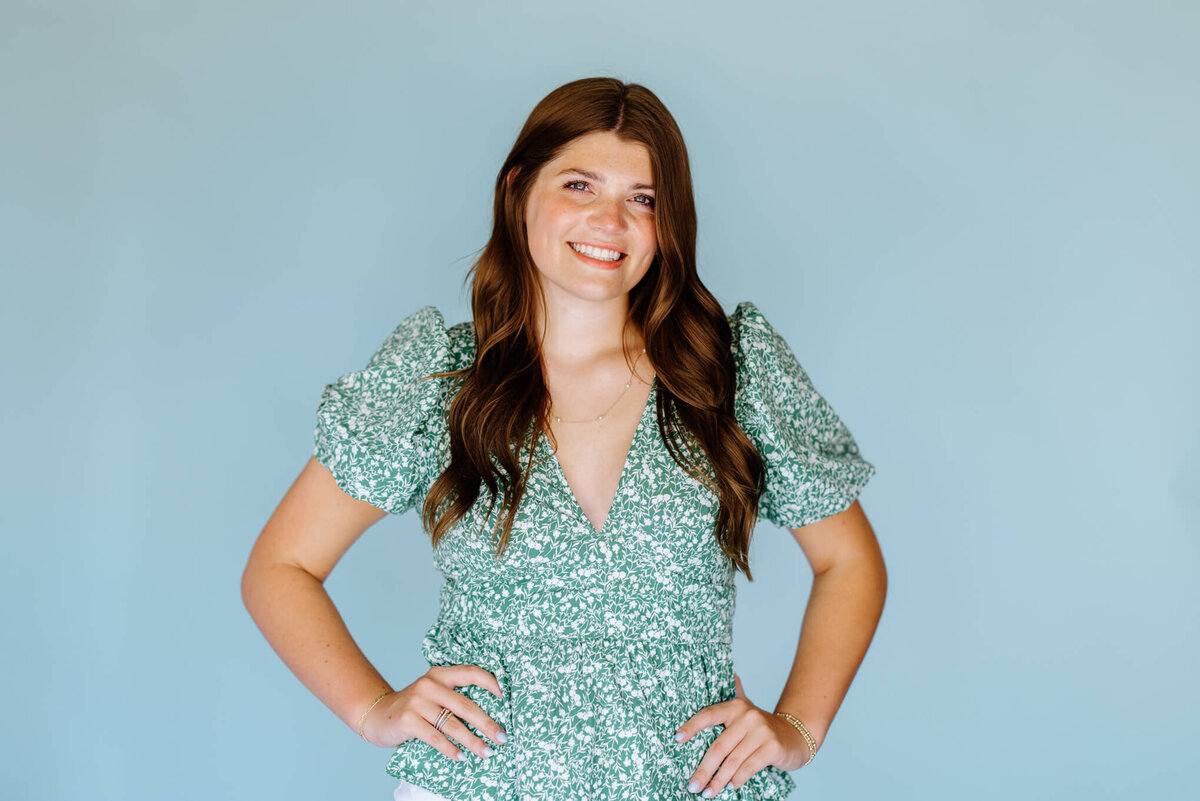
(603, 642)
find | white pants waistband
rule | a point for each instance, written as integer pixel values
(408, 791)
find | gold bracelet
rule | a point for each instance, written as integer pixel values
(795, 721)
(363, 719)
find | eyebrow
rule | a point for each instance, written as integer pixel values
(598, 179)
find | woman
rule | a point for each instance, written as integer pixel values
(590, 452)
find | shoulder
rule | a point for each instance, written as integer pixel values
(813, 465)
(775, 396)
(761, 354)
(462, 345)
(751, 331)
(423, 343)
(746, 312)
(378, 428)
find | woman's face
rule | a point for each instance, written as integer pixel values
(590, 218)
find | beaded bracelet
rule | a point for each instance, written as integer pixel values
(795, 721)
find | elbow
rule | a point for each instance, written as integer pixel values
(247, 588)
(252, 584)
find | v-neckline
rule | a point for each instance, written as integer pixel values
(577, 507)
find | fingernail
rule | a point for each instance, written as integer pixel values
(729, 786)
(488, 751)
(678, 736)
(707, 792)
(501, 737)
(462, 756)
(693, 786)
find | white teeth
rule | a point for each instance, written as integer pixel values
(597, 253)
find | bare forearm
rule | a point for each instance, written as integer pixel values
(299, 620)
(843, 611)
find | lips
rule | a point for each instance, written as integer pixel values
(598, 264)
(598, 252)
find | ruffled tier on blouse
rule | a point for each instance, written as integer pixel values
(589, 718)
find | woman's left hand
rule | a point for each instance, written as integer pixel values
(753, 739)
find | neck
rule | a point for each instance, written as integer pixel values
(580, 335)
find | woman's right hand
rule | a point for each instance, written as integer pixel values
(411, 712)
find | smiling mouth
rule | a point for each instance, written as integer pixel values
(599, 254)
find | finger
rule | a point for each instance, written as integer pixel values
(752, 764)
(456, 730)
(737, 683)
(427, 733)
(717, 752)
(463, 675)
(732, 764)
(708, 716)
(489, 682)
(469, 711)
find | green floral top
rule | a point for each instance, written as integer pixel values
(603, 643)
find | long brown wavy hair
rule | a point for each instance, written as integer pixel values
(502, 400)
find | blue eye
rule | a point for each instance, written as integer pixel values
(641, 200)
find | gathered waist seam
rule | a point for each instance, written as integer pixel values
(472, 631)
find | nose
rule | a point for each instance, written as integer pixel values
(608, 214)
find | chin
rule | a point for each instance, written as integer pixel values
(587, 291)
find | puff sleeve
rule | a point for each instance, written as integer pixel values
(378, 428)
(813, 465)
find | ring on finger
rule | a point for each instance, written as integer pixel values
(442, 718)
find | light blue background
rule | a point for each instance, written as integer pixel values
(975, 223)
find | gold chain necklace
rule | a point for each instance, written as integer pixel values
(600, 416)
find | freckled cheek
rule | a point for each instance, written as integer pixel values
(546, 228)
(554, 222)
